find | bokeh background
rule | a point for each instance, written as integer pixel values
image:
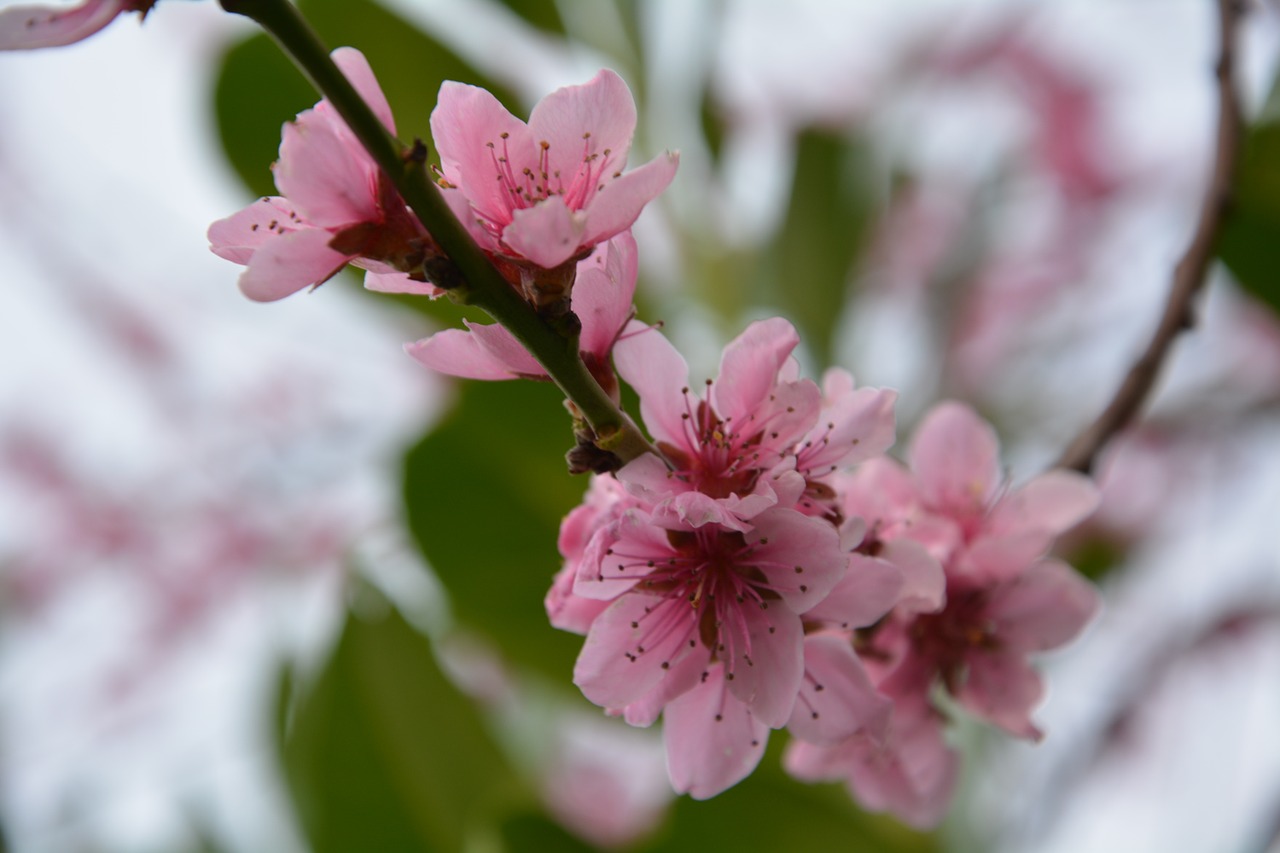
(265, 584)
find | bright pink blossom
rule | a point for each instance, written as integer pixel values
(602, 296)
(30, 27)
(551, 189)
(686, 593)
(730, 449)
(337, 208)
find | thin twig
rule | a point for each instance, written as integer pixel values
(1190, 273)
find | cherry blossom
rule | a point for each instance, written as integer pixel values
(546, 191)
(30, 27)
(336, 207)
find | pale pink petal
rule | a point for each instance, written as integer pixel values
(356, 69)
(991, 559)
(602, 296)
(924, 582)
(799, 556)
(30, 27)
(713, 740)
(289, 263)
(912, 777)
(766, 674)
(238, 236)
(1053, 502)
(1003, 689)
(811, 762)
(749, 367)
(1046, 607)
(324, 174)
(648, 362)
(836, 697)
(467, 126)
(458, 353)
(503, 346)
(615, 557)
(397, 282)
(855, 424)
(578, 121)
(548, 234)
(617, 207)
(567, 611)
(869, 589)
(631, 646)
(955, 454)
(685, 674)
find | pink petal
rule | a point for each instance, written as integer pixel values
(1046, 607)
(1003, 689)
(602, 297)
(684, 675)
(1053, 502)
(548, 234)
(836, 697)
(30, 27)
(458, 353)
(625, 651)
(955, 454)
(238, 236)
(466, 120)
(648, 362)
(800, 556)
(602, 107)
(615, 557)
(855, 425)
(924, 582)
(869, 589)
(398, 282)
(326, 175)
(912, 777)
(356, 69)
(749, 367)
(766, 675)
(289, 263)
(502, 345)
(618, 205)
(713, 741)
(567, 611)
(991, 559)
(810, 762)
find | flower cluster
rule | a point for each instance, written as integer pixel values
(766, 566)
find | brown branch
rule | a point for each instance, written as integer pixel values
(1190, 273)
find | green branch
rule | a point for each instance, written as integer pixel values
(484, 285)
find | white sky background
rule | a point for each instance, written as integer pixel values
(108, 164)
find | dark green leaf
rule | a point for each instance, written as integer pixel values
(1250, 240)
(535, 834)
(541, 13)
(485, 493)
(383, 753)
(808, 266)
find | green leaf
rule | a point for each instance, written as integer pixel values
(808, 266)
(485, 493)
(1249, 243)
(383, 753)
(530, 833)
(543, 14)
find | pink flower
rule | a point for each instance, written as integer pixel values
(337, 208)
(30, 27)
(910, 772)
(604, 504)
(683, 596)
(602, 295)
(550, 190)
(731, 449)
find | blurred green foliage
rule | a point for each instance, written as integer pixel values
(382, 751)
(1249, 243)
(484, 494)
(806, 270)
